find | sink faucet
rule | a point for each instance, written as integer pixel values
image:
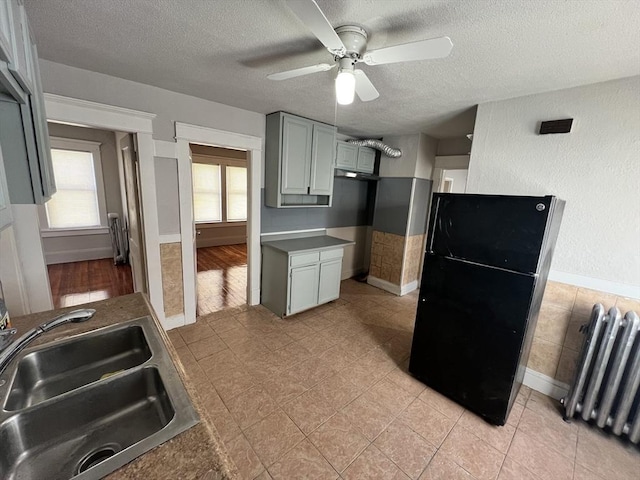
(9, 349)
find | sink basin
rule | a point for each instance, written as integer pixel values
(85, 406)
(84, 429)
(69, 364)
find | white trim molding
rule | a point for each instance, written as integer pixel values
(384, 285)
(73, 232)
(85, 113)
(621, 289)
(165, 149)
(174, 321)
(80, 255)
(544, 384)
(409, 287)
(186, 134)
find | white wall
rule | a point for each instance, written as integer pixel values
(595, 168)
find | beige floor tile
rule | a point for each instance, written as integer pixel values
(372, 464)
(208, 346)
(582, 473)
(512, 470)
(441, 403)
(339, 441)
(196, 331)
(264, 476)
(309, 411)
(251, 406)
(315, 344)
(245, 459)
(176, 338)
(607, 455)
(538, 458)
(284, 387)
(514, 415)
(405, 381)
(428, 422)
(273, 436)
(297, 330)
(236, 335)
(219, 364)
(544, 405)
(388, 395)
(303, 462)
(225, 424)
(276, 340)
(405, 448)
(233, 383)
(523, 395)
(551, 431)
(368, 416)
(312, 371)
(338, 357)
(443, 467)
(185, 355)
(473, 454)
(336, 390)
(497, 437)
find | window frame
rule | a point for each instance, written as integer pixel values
(220, 179)
(59, 143)
(223, 162)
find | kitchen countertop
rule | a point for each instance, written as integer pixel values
(298, 245)
(196, 453)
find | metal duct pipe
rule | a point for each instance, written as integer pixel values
(379, 145)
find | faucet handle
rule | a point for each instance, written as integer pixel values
(6, 337)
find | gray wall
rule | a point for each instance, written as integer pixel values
(421, 204)
(392, 205)
(454, 146)
(352, 202)
(167, 196)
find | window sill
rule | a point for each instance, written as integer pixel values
(73, 232)
(220, 224)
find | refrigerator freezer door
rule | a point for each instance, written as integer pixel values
(501, 231)
(469, 333)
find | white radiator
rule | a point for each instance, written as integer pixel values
(606, 384)
(119, 242)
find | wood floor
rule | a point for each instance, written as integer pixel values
(222, 277)
(83, 282)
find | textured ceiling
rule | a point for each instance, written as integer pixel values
(222, 50)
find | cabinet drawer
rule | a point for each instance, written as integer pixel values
(331, 254)
(304, 259)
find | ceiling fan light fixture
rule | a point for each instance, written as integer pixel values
(345, 87)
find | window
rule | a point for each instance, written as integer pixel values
(79, 199)
(207, 201)
(219, 192)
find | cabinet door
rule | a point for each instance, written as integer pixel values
(347, 156)
(322, 160)
(329, 288)
(296, 155)
(303, 288)
(366, 159)
(6, 42)
(20, 66)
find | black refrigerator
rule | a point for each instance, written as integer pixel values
(485, 269)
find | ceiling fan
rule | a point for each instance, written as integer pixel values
(348, 45)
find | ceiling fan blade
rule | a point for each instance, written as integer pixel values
(364, 88)
(298, 72)
(422, 50)
(309, 12)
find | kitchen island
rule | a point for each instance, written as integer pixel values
(196, 453)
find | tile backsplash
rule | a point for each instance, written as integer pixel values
(557, 340)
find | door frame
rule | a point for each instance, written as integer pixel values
(107, 117)
(186, 134)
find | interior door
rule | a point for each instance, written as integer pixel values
(133, 222)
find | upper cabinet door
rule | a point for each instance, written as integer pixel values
(296, 155)
(6, 35)
(20, 66)
(347, 156)
(322, 160)
(366, 159)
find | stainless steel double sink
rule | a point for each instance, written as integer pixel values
(85, 406)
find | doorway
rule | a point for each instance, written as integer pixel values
(453, 181)
(85, 225)
(220, 213)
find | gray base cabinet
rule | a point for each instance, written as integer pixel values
(296, 281)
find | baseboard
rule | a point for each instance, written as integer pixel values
(384, 285)
(544, 384)
(352, 273)
(217, 242)
(173, 321)
(69, 256)
(409, 287)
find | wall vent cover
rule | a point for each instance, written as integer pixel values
(556, 126)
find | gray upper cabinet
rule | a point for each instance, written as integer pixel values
(299, 161)
(24, 137)
(351, 157)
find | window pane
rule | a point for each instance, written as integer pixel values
(75, 204)
(236, 193)
(207, 200)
